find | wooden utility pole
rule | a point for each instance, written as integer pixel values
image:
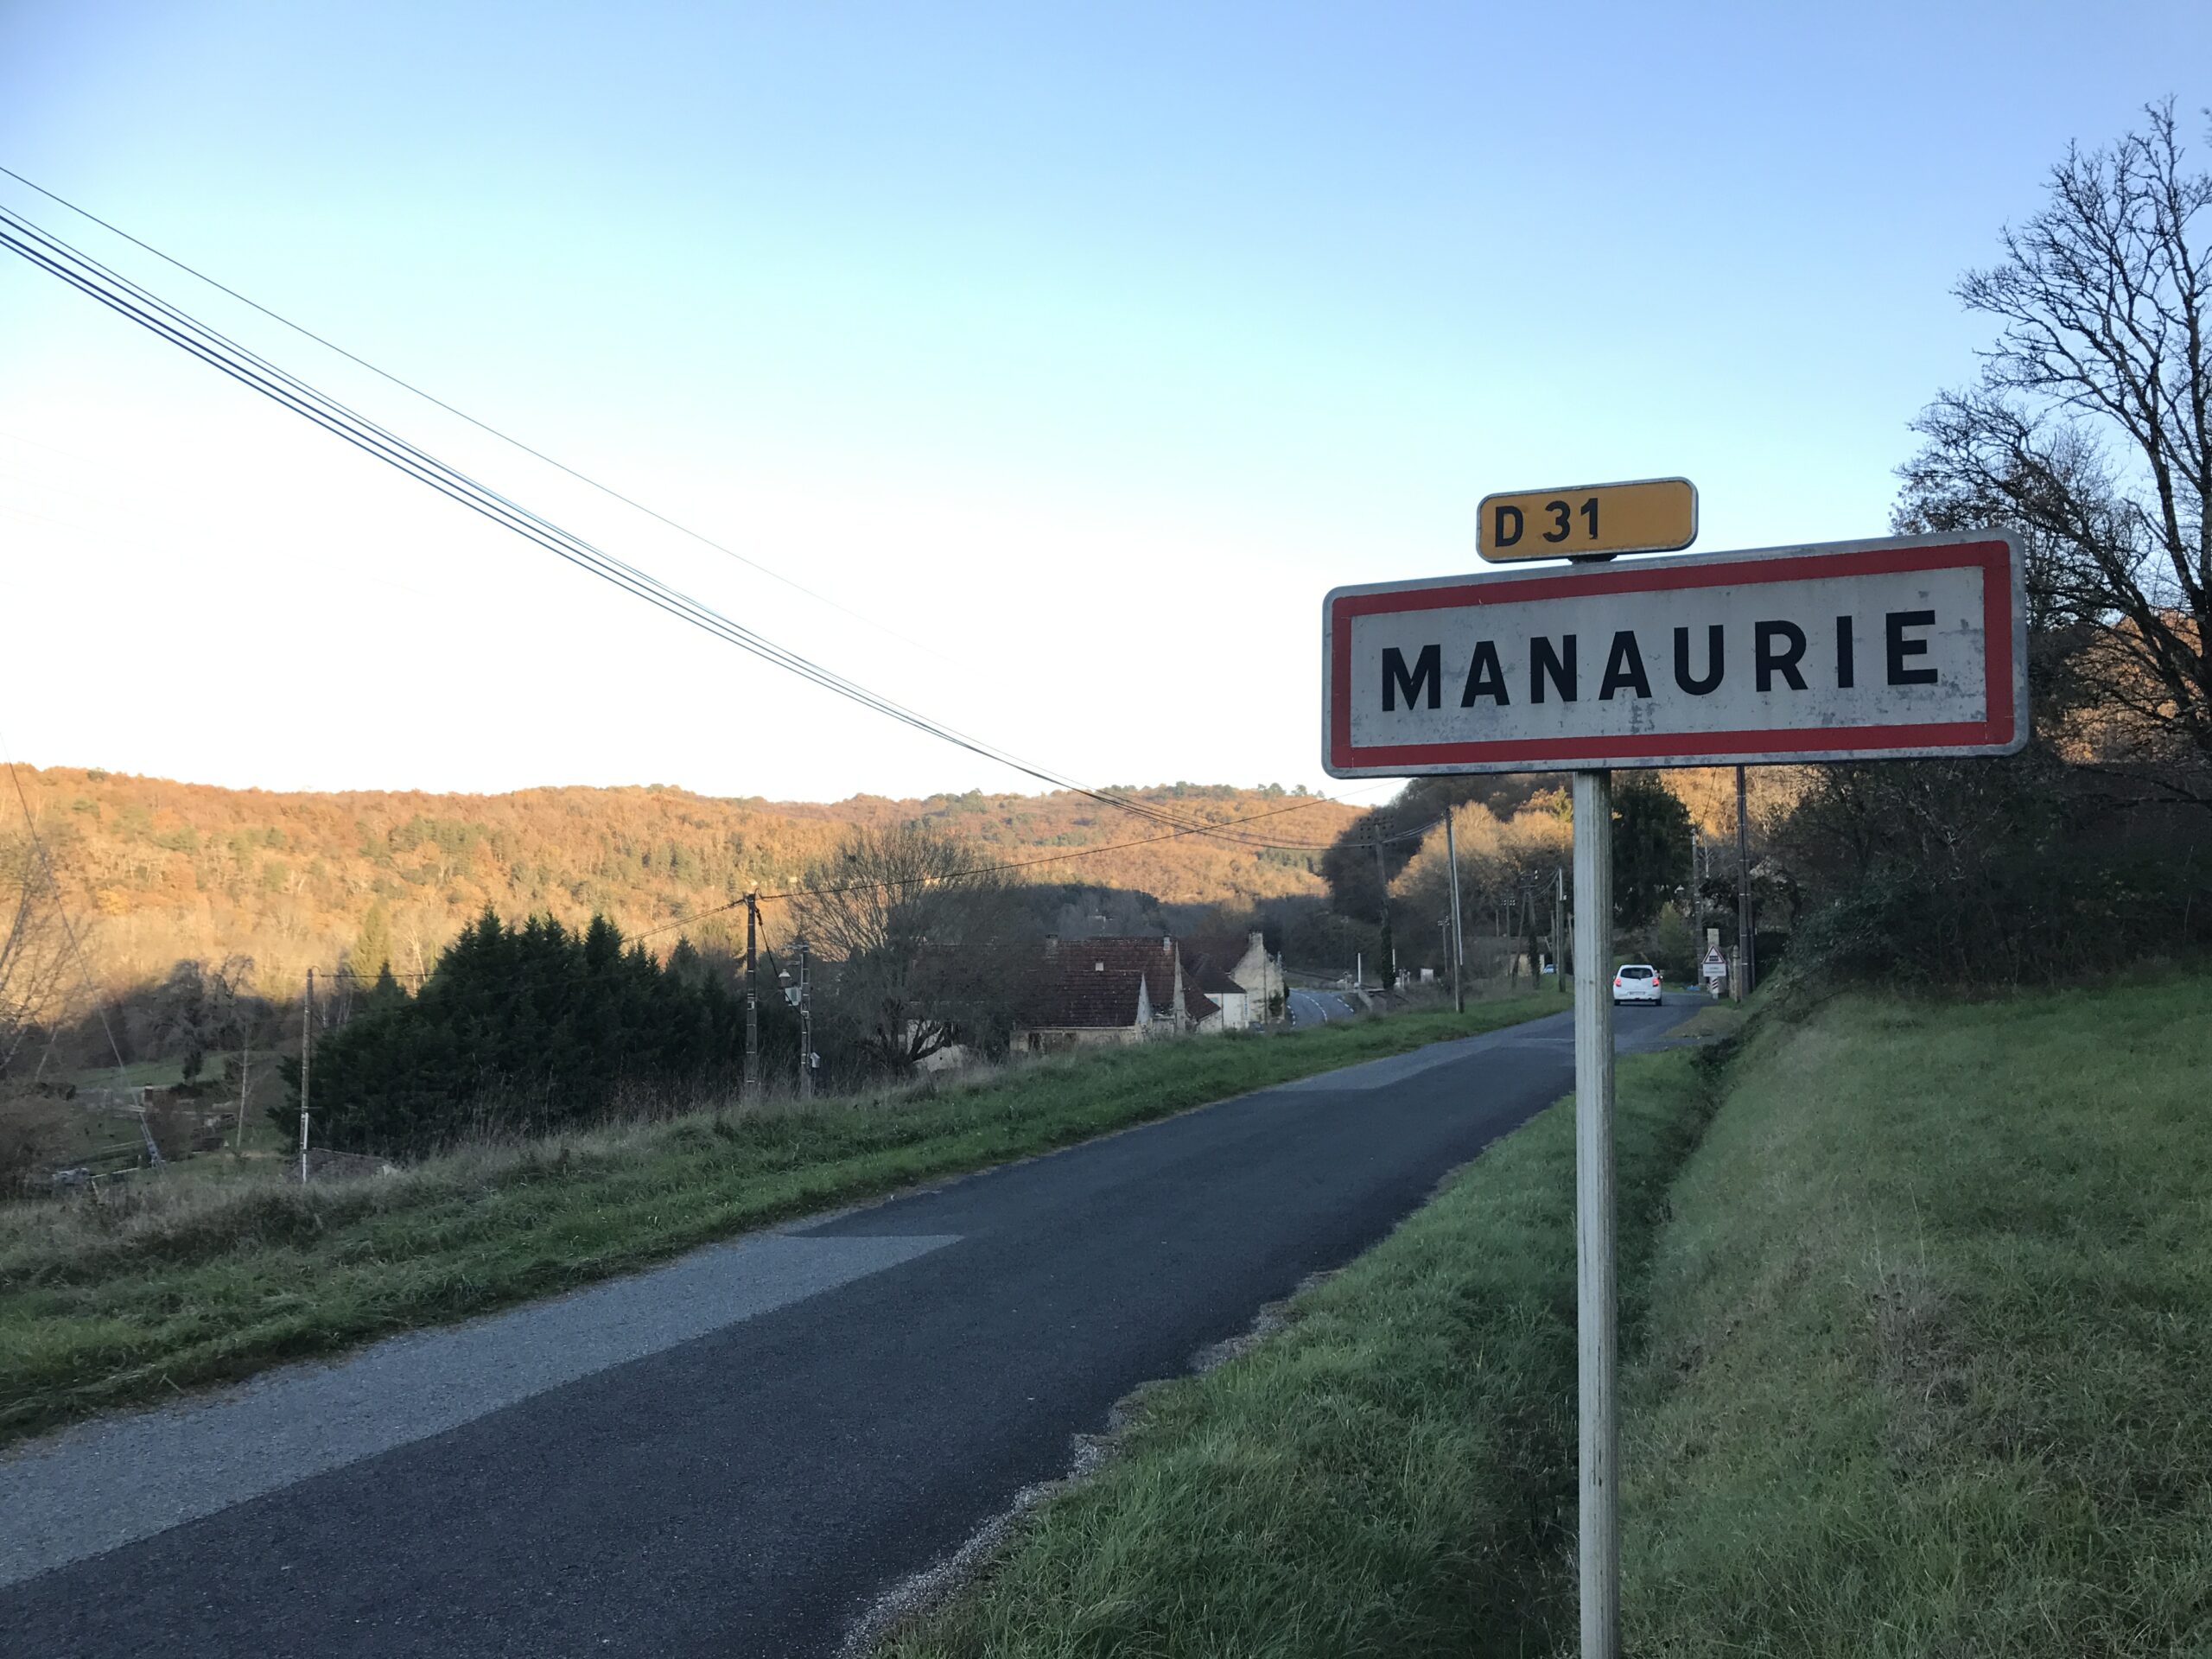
(306, 1059)
(245, 1090)
(1746, 939)
(1697, 894)
(1458, 937)
(1598, 1557)
(1389, 967)
(805, 1031)
(751, 997)
(1559, 939)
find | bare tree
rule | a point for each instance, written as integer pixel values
(2091, 428)
(914, 929)
(34, 951)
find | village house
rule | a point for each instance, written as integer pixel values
(1082, 993)
(1237, 972)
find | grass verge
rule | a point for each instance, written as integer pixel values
(179, 1282)
(1390, 1474)
(1930, 1356)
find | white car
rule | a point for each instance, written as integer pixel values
(1635, 981)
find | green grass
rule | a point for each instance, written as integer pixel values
(1930, 1366)
(1390, 1474)
(145, 1074)
(1918, 1341)
(173, 1281)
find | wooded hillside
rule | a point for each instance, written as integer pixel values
(164, 870)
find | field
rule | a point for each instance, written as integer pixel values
(1917, 1324)
(213, 1270)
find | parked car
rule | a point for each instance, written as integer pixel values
(1637, 982)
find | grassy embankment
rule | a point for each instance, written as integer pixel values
(216, 1270)
(1919, 1337)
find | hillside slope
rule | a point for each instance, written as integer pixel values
(166, 870)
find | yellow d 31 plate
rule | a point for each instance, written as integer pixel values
(1652, 515)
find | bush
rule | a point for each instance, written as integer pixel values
(36, 1129)
(1669, 944)
(2032, 869)
(2043, 917)
(522, 1031)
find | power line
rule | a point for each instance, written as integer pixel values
(1003, 756)
(461, 414)
(250, 369)
(131, 300)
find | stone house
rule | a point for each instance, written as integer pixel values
(1237, 973)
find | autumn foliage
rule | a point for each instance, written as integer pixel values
(163, 871)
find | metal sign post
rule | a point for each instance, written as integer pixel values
(1596, 1346)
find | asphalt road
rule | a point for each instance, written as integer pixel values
(737, 1454)
(1319, 1008)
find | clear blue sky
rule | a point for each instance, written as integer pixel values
(1089, 352)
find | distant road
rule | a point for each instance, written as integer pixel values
(1319, 1008)
(734, 1455)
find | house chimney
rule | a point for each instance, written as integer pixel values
(1168, 942)
(1051, 944)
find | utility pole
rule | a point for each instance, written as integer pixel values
(1697, 892)
(1746, 941)
(753, 996)
(1598, 1557)
(245, 1090)
(1458, 937)
(805, 1031)
(1388, 946)
(306, 1059)
(1559, 939)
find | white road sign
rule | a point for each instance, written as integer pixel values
(1914, 646)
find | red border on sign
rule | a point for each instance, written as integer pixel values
(1992, 559)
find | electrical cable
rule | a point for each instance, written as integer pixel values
(461, 414)
(169, 322)
(1004, 757)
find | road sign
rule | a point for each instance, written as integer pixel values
(1651, 515)
(1881, 650)
(1914, 645)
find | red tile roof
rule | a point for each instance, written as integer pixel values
(1091, 984)
(1208, 958)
